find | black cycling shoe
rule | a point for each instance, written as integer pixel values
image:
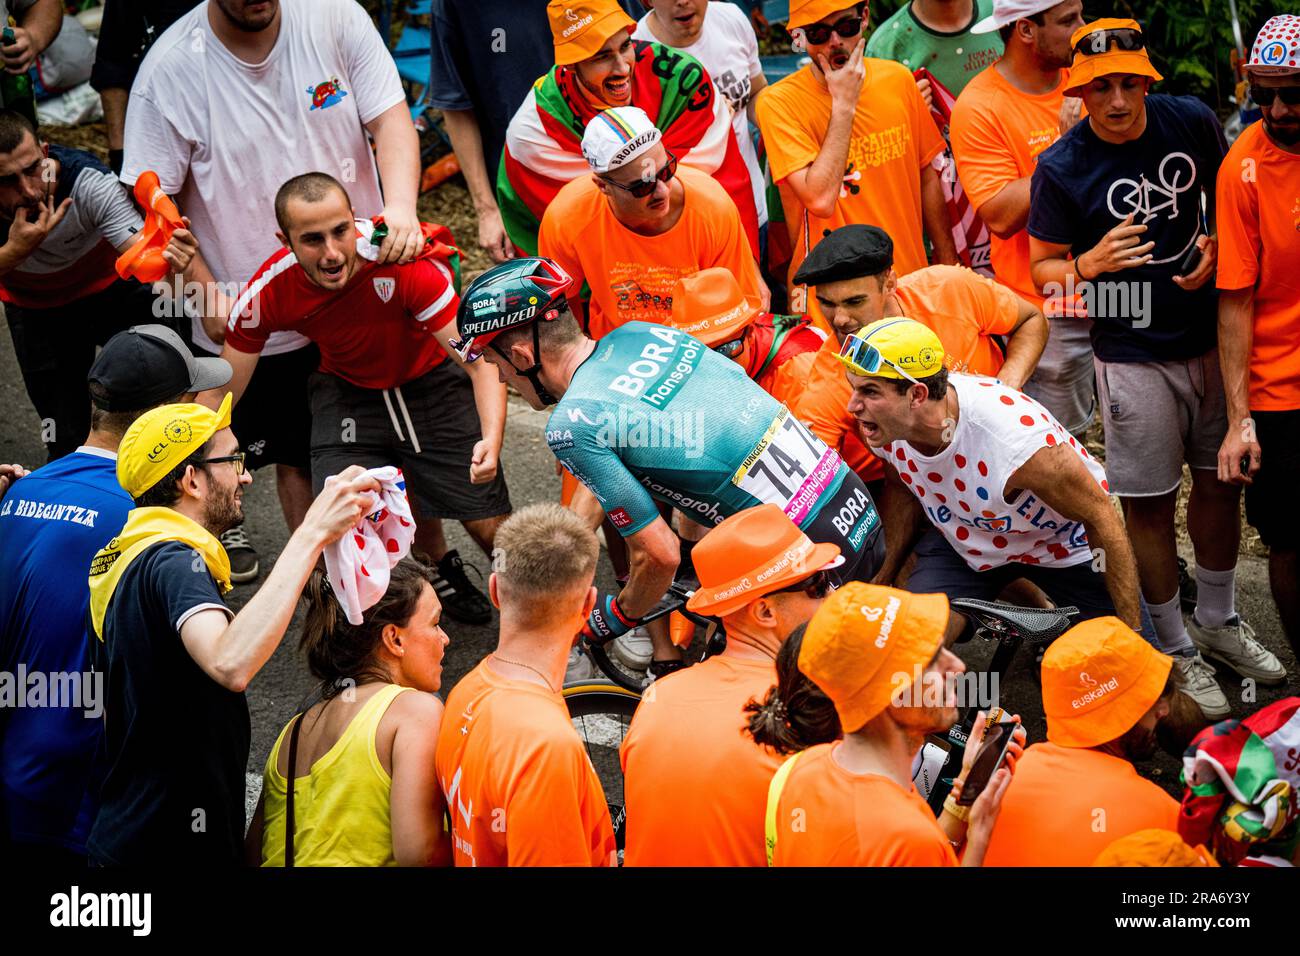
(1187, 590)
(658, 669)
(460, 599)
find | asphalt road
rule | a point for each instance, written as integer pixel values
(275, 694)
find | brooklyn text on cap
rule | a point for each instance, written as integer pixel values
(148, 364)
(614, 137)
(162, 438)
(850, 252)
(581, 27)
(1009, 11)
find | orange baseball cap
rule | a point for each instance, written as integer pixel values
(710, 306)
(1099, 678)
(581, 27)
(865, 644)
(1154, 848)
(752, 553)
(804, 12)
(1088, 66)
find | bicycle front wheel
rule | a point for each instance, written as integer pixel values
(601, 712)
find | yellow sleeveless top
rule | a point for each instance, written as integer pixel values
(341, 808)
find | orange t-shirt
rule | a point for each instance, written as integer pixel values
(828, 816)
(962, 307)
(997, 133)
(1259, 245)
(893, 139)
(694, 783)
(1065, 805)
(520, 788)
(631, 276)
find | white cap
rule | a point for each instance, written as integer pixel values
(615, 136)
(1277, 48)
(1009, 11)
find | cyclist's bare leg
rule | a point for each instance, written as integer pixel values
(1214, 520)
(1025, 593)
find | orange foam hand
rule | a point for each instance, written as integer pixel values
(144, 259)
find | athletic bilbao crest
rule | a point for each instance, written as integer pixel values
(385, 286)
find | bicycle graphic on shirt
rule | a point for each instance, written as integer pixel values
(1146, 200)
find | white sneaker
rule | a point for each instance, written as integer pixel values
(633, 649)
(1234, 644)
(1199, 684)
(579, 667)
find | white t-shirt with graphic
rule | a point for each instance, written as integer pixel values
(961, 488)
(728, 49)
(223, 135)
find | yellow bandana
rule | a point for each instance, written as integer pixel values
(144, 528)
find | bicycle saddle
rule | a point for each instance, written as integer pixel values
(1035, 625)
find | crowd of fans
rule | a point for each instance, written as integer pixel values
(816, 231)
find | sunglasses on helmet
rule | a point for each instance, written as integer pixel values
(1099, 41)
(645, 187)
(1265, 95)
(863, 358)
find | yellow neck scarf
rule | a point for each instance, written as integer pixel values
(144, 528)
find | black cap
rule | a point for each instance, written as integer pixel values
(149, 364)
(850, 252)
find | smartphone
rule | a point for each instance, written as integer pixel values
(1190, 262)
(992, 754)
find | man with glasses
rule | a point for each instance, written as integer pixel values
(695, 785)
(175, 659)
(627, 232)
(651, 415)
(850, 140)
(598, 66)
(1003, 120)
(387, 391)
(1122, 193)
(1259, 309)
(1007, 491)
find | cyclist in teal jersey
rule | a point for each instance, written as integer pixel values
(649, 413)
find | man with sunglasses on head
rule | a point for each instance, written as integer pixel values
(695, 785)
(1122, 193)
(627, 232)
(849, 139)
(598, 66)
(1007, 491)
(1259, 309)
(1005, 117)
(651, 415)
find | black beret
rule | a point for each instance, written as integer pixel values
(850, 252)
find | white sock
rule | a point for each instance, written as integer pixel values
(1171, 632)
(1216, 593)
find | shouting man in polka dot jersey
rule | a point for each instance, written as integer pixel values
(1007, 491)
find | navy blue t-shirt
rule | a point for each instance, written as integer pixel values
(175, 741)
(51, 524)
(1083, 187)
(486, 54)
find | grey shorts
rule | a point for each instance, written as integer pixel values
(1159, 415)
(1062, 382)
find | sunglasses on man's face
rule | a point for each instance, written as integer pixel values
(1265, 95)
(643, 188)
(731, 348)
(819, 33)
(1099, 41)
(816, 587)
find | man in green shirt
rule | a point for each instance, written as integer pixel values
(936, 34)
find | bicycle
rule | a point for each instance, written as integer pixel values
(1010, 626)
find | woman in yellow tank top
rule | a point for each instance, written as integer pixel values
(365, 789)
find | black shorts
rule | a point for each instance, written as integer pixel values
(850, 520)
(427, 427)
(1270, 507)
(273, 419)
